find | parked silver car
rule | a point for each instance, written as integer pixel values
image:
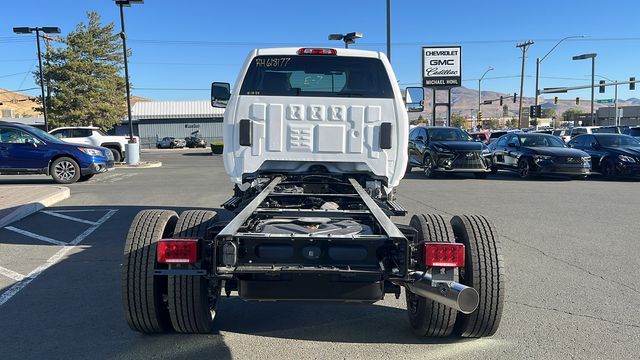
(170, 143)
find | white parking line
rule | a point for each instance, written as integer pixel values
(13, 290)
(11, 274)
(36, 236)
(55, 213)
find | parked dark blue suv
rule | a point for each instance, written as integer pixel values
(27, 150)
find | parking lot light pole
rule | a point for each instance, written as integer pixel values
(37, 30)
(133, 149)
(591, 56)
(349, 38)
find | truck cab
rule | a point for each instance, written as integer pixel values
(295, 108)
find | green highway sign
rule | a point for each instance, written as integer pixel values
(605, 101)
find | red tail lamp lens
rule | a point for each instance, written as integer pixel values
(183, 251)
(444, 254)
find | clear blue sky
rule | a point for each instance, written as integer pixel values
(187, 44)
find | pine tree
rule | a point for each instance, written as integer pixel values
(87, 87)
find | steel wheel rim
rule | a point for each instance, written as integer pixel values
(65, 170)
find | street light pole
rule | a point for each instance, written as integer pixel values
(479, 82)
(132, 148)
(123, 36)
(44, 98)
(538, 61)
(591, 56)
(389, 30)
(524, 47)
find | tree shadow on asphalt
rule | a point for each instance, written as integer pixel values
(198, 154)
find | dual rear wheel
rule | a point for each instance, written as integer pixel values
(483, 271)
(155, 304)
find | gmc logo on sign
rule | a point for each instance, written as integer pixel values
(441, 62)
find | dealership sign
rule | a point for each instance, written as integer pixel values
(442, 66)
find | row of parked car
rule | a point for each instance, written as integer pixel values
(169, 142)
(438, 150)
(487, 137)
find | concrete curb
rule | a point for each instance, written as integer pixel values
(58, 194)
(141, 165)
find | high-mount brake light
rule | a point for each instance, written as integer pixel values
(444, 254)
(317, 51)
(178, 251)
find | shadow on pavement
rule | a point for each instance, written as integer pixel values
(76, 306)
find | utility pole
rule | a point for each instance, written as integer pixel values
(524, 47)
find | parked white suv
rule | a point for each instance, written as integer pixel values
(92, 135)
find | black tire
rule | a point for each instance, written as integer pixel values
(428, 317)
(85, 177)
(142, 292)
(608, 169)
(427, 166)
(484, 271)
(494, 170)
(65, 170)
(117, 157)
(482, 175)
(193, 299)
(525, 168)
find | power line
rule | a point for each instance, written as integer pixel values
(169, 89)
(9, 75)
(12, 91)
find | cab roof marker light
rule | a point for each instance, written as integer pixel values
(317, 51)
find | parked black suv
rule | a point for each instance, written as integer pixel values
(446, 149)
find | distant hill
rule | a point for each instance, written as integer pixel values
(24, 105)
(465, 102)
(21, 104)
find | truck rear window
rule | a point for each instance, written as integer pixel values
(319, 76)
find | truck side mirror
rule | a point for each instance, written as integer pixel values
(414, 99)
(220, 94)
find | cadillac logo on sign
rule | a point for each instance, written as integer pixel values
(442, 66)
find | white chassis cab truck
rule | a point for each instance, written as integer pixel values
(315, 141)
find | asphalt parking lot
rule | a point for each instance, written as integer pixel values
(571, 251)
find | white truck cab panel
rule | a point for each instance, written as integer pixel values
(307, 109)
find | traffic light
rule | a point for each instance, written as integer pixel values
(632, 84)
(535, 111)
(479, 115)
(555, 100)
(601, 89)
(578, 100)
(500, 100)
(514, 98)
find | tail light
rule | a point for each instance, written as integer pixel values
(443, 254)
(178, 251)
(317, 51)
